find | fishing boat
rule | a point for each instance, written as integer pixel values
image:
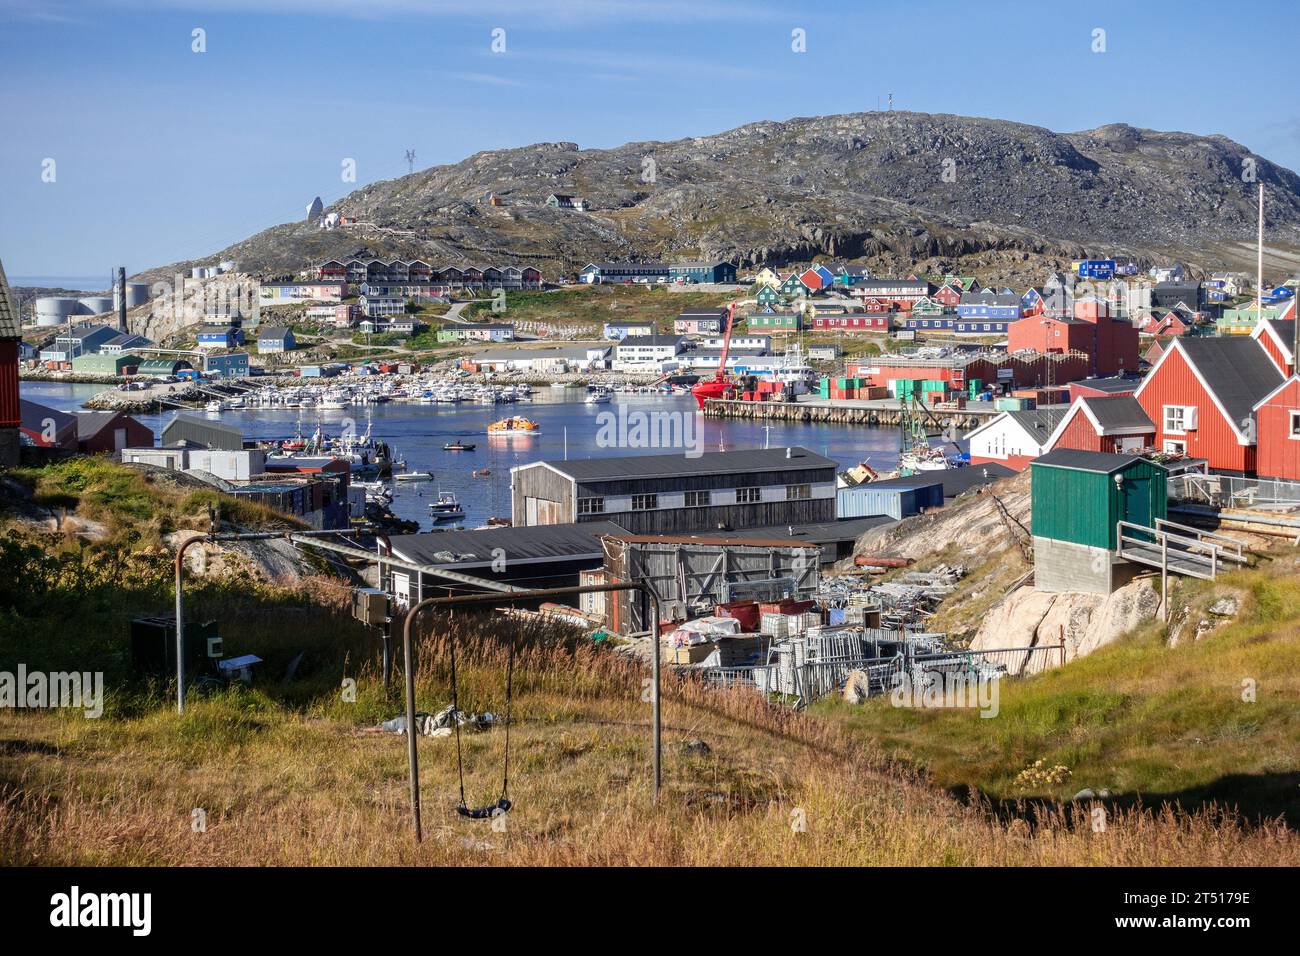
(414, 476)
(514, 425)
(446, 508)
(597, 396)
(481, 472)
(457, 446)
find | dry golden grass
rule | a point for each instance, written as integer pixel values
(310, 786)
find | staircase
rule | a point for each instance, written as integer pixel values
(1177, 548)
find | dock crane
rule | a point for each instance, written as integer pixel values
(718, 385)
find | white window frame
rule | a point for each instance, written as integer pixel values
(1172, 447)
(1294, 418)
(743, 495)
(648, 502)
(594, 505)
(1181, 427)
(802, 492)
(688, 503)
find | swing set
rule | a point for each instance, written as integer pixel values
(503, 803)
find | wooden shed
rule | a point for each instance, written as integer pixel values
(1079, 497)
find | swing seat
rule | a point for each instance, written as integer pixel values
(485, 813)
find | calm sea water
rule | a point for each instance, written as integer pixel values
(569, 428)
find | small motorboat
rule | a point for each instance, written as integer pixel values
(481, 472)
(457, 446)
(446, 508)
(414, 476)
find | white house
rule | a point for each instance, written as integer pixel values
(647, 353)
(1014, 439)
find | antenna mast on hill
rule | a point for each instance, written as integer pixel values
(410, 160)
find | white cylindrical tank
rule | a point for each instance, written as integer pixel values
(55, 309)
(196, 272)
(227, 265)
(137, 293)
(97, 304)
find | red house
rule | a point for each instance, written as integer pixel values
(1116, 424)
(1201, 396)
(110, 432)
(1277, 338)
(949, 296)
(1111, 343)
(1103, 387)
(1277, 418)
(853, 322)
(812, 279)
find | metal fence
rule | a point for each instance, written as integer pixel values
(810, 680)
(1225, 491)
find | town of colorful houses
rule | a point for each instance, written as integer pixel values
(1098, 359)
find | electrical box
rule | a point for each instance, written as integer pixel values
(153, 645)
(370, 606)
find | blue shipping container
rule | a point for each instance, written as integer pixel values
(894, 500)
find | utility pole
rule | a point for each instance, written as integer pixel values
(1259, 275)
(410, 160)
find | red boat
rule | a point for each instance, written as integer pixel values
(719, 384)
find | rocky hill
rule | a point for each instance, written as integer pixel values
(899, 189)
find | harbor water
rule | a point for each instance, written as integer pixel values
(569, 429)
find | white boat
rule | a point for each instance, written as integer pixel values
(597, 397)
(558, 385)
(446, 508)
(414, 476)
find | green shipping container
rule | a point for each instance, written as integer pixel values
(1077, 499)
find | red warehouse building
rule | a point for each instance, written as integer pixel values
(1115, 424)
(1112, 343)
(1201, 396)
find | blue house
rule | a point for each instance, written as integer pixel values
(226, 365)
(710, 272)
(274, 338)
(990, 305)
(828, 277)
(220, 337)
(991, 327)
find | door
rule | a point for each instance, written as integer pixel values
(1135, 503)
(119, 439)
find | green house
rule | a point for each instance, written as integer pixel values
(1079, 497)
(775, 321)
(793, 288)
(768, 296)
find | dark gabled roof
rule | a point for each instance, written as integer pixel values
(33, 416)
(91, 423)
(1100, 462)
(1118, 412)
(1236, 370)
(1041, 421)
(557, 542)
(85, 331)
(630, 467)
(273, 332)
(989, 297)
(11, 326)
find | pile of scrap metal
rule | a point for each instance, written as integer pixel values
(913, 596)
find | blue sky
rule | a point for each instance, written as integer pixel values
(164, 154)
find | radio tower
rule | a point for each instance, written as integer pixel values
(410, 160)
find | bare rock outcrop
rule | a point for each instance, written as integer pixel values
(1082, 622)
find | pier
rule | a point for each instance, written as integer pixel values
(888, 411)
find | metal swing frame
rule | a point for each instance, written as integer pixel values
(512, 597)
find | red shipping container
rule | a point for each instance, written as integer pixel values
(746, 612)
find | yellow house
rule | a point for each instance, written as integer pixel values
(769, 277)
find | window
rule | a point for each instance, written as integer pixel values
(697, 499)
(1175, 419)
(1175, 448)
(591, 506)
(747, 496)
(1295, 424)
(645, 502)
(798, 492)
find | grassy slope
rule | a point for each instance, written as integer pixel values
(596, 305)
(288, 772)
(1144, 720)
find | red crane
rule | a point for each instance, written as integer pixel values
(717, 387)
